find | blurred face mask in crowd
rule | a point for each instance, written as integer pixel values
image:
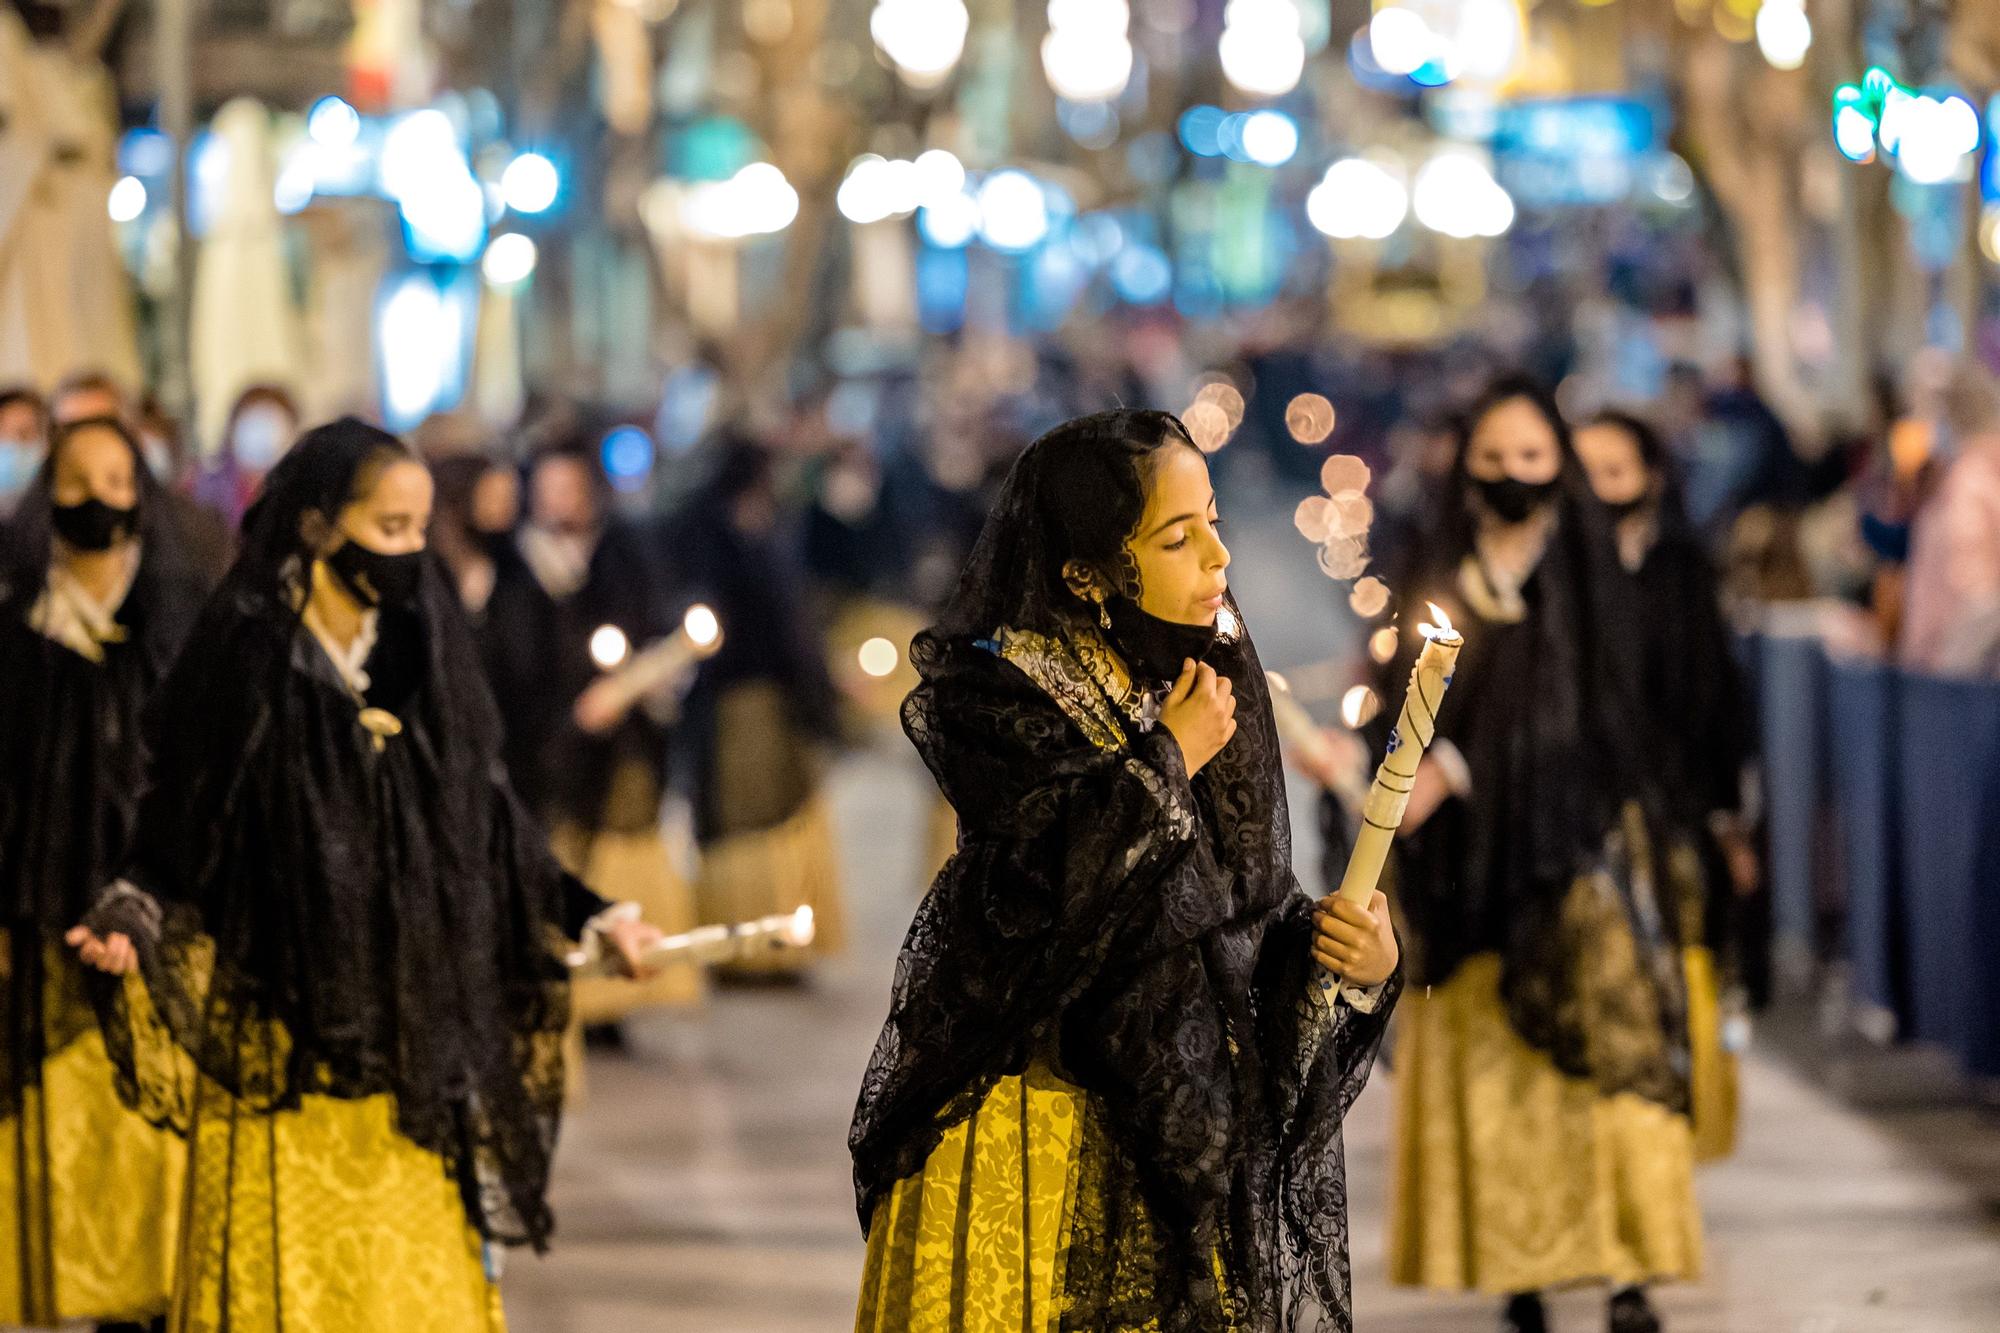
(262, 434)
(19, 461)
(1514, 460)
(1616, 468)
(95, 491)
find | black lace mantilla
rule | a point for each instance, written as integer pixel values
(1145, 932)
(323, 909)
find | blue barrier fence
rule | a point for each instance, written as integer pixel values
(1883, 802)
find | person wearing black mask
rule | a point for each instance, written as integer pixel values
(1701, 739)
(1122, 1039)
(1542, 1070)
(348, 930)
(573, 579)
(89, 620)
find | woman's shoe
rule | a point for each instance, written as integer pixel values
(1631, 1312)
(1524, 1314)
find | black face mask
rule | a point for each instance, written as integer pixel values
(1153, 648)
(495, 544)
(93, 525)
(1512, 501)
(375, 579)
(1624, 509)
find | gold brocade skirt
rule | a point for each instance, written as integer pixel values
(1713, 1081)
(630, 867)
(975, 1241)
(324, 1219)
(776, 870)
(89, 1192)
(1509, 1175)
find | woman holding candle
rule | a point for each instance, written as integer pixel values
(348, 930)
(88, 623)
(576, 597)
(1700, 741)
(1543, 1136)
(1109, 1092)
(761, 715)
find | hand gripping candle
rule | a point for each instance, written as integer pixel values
(1382, 812)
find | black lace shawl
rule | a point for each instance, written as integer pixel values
(320, 914)
(1142, 932)
(69, 771)
(1541, 861)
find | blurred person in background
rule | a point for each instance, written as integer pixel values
(473, 525)
(88, 395)
(24, 441)
(1701, 742)
(1542, 1129)
(1951, 625)
(203, 533)
(763, 713)
(91, 614)
(573, 600)
(261, 427)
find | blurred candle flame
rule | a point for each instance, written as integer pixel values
(879, 657)
(609, 646)
(702, 626)
(802, 929)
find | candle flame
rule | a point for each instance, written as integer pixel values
(609, 646)
(703, 628)
(802, 929)
(1443, 628)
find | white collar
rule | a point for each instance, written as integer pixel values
(349, 660)
(67, 613)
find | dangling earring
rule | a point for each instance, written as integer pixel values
(1103, 615)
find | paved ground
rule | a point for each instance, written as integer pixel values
(703, 1188)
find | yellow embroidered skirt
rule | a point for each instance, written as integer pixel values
(324, 1219)
(1509, 1175)
(776, 870)
(630, 867)
(101, 1189)
(975, 1240)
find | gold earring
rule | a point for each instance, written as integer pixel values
(1103, 614)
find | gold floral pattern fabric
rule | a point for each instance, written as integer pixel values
(976, 1239)
(100, 1188)
(1509, 1175)
(324, 1219)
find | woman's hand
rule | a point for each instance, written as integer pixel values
(1357, 943)
(114, 953)
(1201, 713)
(629, 941)
(599, 708)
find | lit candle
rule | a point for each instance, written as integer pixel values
(706, 944)
(1382, 812)
(631, 676)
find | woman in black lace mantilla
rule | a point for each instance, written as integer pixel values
(348, 931)
(1109, 1092)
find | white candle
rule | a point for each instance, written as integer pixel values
(1382, 812)
(660, 665)
(707, 944)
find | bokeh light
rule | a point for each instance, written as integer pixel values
(1382, 644)
(1359, 706)
(879, 658)
(1369, 598)
(1309, 417)
(1343, 472)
